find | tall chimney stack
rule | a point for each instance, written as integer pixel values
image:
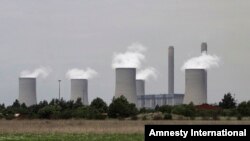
(171, 70)
(204, 47)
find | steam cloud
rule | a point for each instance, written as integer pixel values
(42, 72)
(132, 58)
(147, 73)
(81, 74)
(205, 61)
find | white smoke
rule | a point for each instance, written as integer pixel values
(147, 73)
(81, 73)
(205, 61)
(132, 58)
(42, 72)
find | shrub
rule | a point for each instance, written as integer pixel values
(168, 116)
(120, 107)
(158, 116)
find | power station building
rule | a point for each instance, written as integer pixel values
(152, 100)
(27, 91)
(79, 89)
(196, 86)
(126, 84)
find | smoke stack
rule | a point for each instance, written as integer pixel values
(79, 89)
(171, 70)
(204, 47)
(140, 87)
(126, 84)
(196, 86)
(27, 91)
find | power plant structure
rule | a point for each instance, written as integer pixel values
(140, 87)
(140, 91)
(152, 100)
(27, 91)
(196, 86)
(126, 84)
(171, 70)
(79, 89)
(134, 90)
(203, 47)
(196, 83)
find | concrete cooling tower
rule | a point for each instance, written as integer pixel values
(126, 84)
(171, 70)
(27, 91)
(196, 86)
(140, 87)
(79, 89)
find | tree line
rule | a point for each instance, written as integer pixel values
(120, 108)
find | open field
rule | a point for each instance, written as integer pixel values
(92, 126)
(85, 130)
(71, 137)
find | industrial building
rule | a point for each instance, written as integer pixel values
(79, 89)
(134, 90)
(126, 84)
(152, 100)
(27, 91)
(195, 87)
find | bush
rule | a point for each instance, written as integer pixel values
(144, 117)
(121, 108)
(99, 105)
(134, 118)
(168, 116)
(185, 110)
(165, 109)
(239, 117)
(158, 116)
(49, 112)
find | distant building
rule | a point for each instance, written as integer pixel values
(152, 100)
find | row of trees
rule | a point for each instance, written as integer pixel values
(61, 109)
(120, 108)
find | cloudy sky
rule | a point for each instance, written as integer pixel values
(65, 34)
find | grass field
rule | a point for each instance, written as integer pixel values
(71, 137)
(86, 130)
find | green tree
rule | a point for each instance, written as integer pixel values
(99, 105)
(185, 110)
(49, 112)
(121, 108)
(228, 102)
(244, 108)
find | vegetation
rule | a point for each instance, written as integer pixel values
(120, 108)
(70, 137)
(228, 102)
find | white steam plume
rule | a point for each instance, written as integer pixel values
(205, 61)
(132, 58)
(81, 74)
(147, 73)
(42, 72)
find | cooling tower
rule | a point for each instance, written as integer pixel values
(140, 87)
(27, 91)
(196, 86)
(126, 84)
(203, 47)
(79, 89)
(171, 70)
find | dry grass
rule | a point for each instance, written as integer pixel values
(92, 126)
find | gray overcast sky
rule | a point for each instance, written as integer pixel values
(64, 34)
